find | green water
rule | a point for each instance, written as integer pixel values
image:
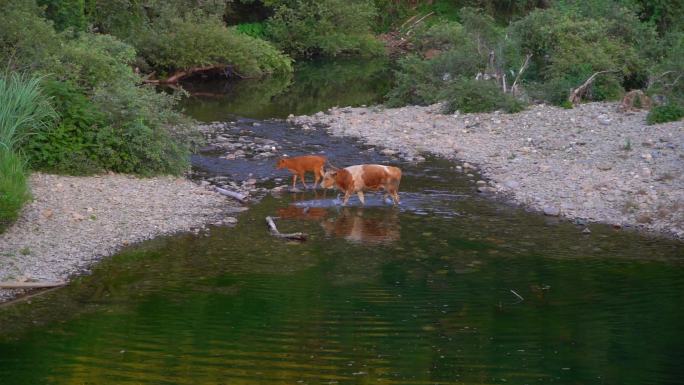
(450, 288)
(418, 295)
(315, 86)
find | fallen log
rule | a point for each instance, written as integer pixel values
(577, 94)
(274, 231)
(242, 198)
(182, 74)
(30, 285)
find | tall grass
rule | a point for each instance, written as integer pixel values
(23, 109)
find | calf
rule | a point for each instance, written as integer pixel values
(359, 178)
(298, 165)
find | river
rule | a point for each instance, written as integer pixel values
(451, 287)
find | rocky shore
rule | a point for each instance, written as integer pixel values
(590, 164)
(75, 221)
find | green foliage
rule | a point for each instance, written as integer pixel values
(71, 145)
(107, 120)
(23, 108)
(175, 42)
(65, 13)
(306, 28)
(468, 95)
(440, 36)
(667, 76)
(569, 43)
(666, 113)
(257, 30)
(14, 190)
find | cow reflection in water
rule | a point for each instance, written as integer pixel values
(360, 225)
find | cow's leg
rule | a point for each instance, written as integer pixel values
(346, 198)
(294, 181)
(301, 176)
(395, 197)
(360, 194)
(316, 179)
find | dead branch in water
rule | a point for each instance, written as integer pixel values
(242, 198)
(30, 285)
(576, 94)
(517, 295)
(274, 231)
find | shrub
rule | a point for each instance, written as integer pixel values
(468, 95)
(65, 13)
(666, 113)
(305, 28)
(175, 42)
(71, 145)
(23, 108)
(14, 190)
(257, 30)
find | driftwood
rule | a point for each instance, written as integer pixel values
(233, 194)
(576, 94)
(514, 87)
(180, 75)
(274, 231)
(30, 285)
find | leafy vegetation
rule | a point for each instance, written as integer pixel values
(306, 28)
(665, 113)
(23, 108)
(562, 46)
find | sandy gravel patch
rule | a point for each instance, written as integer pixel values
(75, 221)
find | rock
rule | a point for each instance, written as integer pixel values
(551, 211)
(586, 231)
(644, 218)
(481, 183)
(388, 152)
(604, 166)
(230, 220)
(511, 184)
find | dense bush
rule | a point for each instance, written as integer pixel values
(23, 109)
(478, 96)
(305, 28)
(665, 113)
(196, 40)
(568, 43)
(252, 29)
(105, 114)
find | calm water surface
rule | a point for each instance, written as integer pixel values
(449, 288)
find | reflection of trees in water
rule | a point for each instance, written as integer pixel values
(315, 86)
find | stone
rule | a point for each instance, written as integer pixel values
(604, 166)
(511, 184)
(388, 152)
(551, 211)
(481, 183)
(644, 218)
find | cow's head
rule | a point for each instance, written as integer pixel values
(329, 179)
(281, 163)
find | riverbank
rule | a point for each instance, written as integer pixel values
(73, 222)
(591, 163)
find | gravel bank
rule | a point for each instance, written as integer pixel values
(590, 163)
(75, 221)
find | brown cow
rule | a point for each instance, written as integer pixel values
(299, 165)
(359, 178)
